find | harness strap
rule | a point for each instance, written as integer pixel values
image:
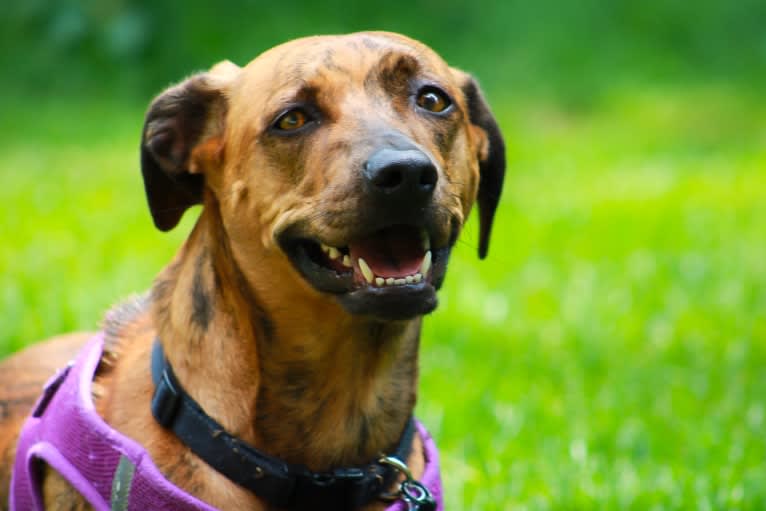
(66, 433)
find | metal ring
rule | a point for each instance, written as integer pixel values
(400, 467)
(421, 493)
(398, 464)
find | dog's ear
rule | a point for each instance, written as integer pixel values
(180, 119)
(491, 158)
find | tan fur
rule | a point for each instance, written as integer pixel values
(276, 362)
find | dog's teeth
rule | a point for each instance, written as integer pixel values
(426, 241)
(346, 261)
(393, 281)
(325, 248)
(426, 263)
(333, 252)
(366, 271)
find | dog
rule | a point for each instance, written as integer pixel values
(335, 174)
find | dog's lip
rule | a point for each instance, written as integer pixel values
(343, 269)
(303, 254)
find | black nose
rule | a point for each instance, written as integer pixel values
(407, 175)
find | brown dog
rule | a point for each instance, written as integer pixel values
(335, 174)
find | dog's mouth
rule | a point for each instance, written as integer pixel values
(392, 273)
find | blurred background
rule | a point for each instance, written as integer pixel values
(610, 352)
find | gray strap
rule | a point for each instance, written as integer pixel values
(123, 477)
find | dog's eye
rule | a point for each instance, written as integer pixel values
(291, 120)
(433, 100)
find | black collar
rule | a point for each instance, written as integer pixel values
(281, 484)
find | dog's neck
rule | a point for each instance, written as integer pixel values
(277, 364)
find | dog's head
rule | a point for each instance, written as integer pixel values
(356, 158)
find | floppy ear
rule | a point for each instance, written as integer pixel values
(177, 121)
(491, 160)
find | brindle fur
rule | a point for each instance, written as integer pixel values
(276, 362)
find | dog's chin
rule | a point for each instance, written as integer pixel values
(392, 279)
(391, 304)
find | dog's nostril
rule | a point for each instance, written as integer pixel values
(388, 178)
(428, 177)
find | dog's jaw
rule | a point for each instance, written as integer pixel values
(392, 274)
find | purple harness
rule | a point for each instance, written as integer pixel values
(109, 469)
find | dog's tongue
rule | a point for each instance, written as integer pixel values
(392, 252)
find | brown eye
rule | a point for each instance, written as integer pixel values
(291, 120)
(433, 100)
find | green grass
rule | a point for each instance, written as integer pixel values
(609, 354)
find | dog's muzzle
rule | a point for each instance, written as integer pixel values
(388, 268)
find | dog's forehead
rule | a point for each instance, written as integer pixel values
(352, 56)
